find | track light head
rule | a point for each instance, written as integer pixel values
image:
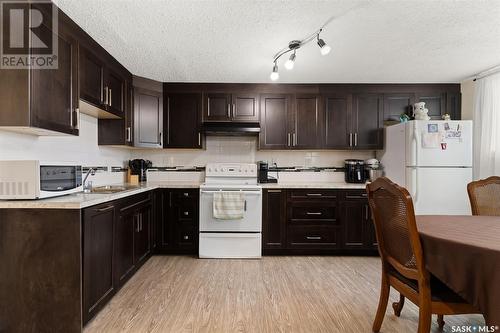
(290, 62)
(275, 75)
(324, 48)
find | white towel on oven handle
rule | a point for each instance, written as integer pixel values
(229, 205)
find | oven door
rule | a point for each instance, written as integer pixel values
(252, 218)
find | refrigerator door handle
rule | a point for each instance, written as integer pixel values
(416, 142)
(414, 184)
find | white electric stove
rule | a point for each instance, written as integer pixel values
(239, 238)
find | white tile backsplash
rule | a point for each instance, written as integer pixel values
(84, 149)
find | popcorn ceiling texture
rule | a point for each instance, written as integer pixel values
(234, 41)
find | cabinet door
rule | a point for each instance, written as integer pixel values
(217, 107)
(397, 104)
(129, 114)
(306, 122)
(273, 219)
(116, 93)
(54, 92)
(245, 108)
(454, 105)
(91, 73)
(367, 121)
(435, 102)
(164, 221)
(337, 126)
(98, 277)
(142, 243)
(148, 118)
(353, 221)
(124, 249)
(275, 111)
(370, 235)
(183, 120)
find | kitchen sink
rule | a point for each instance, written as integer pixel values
(109, 189)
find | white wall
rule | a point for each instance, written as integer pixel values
(81, 149)
(467, 89)
(244, 149)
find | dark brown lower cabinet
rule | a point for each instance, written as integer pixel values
(116, 242)
(98, 259)
(319, 221)
(178, 221)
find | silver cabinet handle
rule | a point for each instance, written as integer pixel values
(136, 219)
(186, 194)
(366, 212)
(314, 213)
(106, 95)
(110, 98)
(294, 139)
(186, 213)
(234, 109)
(350, 139)
(104, 209)
(355, 139)
(288, 140)
(274, 191)
(185, 237)
(313, 237)
(129, 134)
(313, 194)
(199, 138)
(229, 110)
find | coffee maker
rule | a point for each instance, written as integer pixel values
(139, 167)
(355, 171)
(263, 173)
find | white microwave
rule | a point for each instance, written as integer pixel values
(29, 179)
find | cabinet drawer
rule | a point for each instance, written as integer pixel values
(306, 214)
(355, 194)
(312, 237)
(300, 195)
(187, 211)
(187, 237)
(134, 201)
(185, 195)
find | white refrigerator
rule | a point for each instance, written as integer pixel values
(433, 160)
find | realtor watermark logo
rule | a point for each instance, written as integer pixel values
(474, 329)
(29, 32)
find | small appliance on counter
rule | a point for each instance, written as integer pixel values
(263, 173)
(373, 169)
(355, 171)
(138, 167)
(32, 179)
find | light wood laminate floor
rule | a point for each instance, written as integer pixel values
(275, 294)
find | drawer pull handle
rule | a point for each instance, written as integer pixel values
(313, 237)
(186, 237)
(186, 194)
(314, 213)
(186, 213)
(314, 194)
(362, 196)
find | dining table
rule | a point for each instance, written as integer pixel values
(464, 253)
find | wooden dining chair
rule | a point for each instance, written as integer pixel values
(403, 265)
(484, 196)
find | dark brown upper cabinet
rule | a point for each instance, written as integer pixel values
(274, 121)
(337, 127)
(182, 120)
(102, 89)
(396, 104)
(225, 107)
(367, 122)
(435, 102)
(305, 123)
(148, 118)
(43, 101)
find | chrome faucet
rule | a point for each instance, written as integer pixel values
(87, 186)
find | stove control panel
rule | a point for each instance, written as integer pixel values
(231, 170)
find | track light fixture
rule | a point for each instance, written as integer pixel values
(296, 44)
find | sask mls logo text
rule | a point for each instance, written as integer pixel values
(29, 35)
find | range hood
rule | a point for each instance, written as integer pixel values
(231, 128)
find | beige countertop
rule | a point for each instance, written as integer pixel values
(83, 200)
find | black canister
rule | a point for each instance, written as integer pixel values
(355, 171)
